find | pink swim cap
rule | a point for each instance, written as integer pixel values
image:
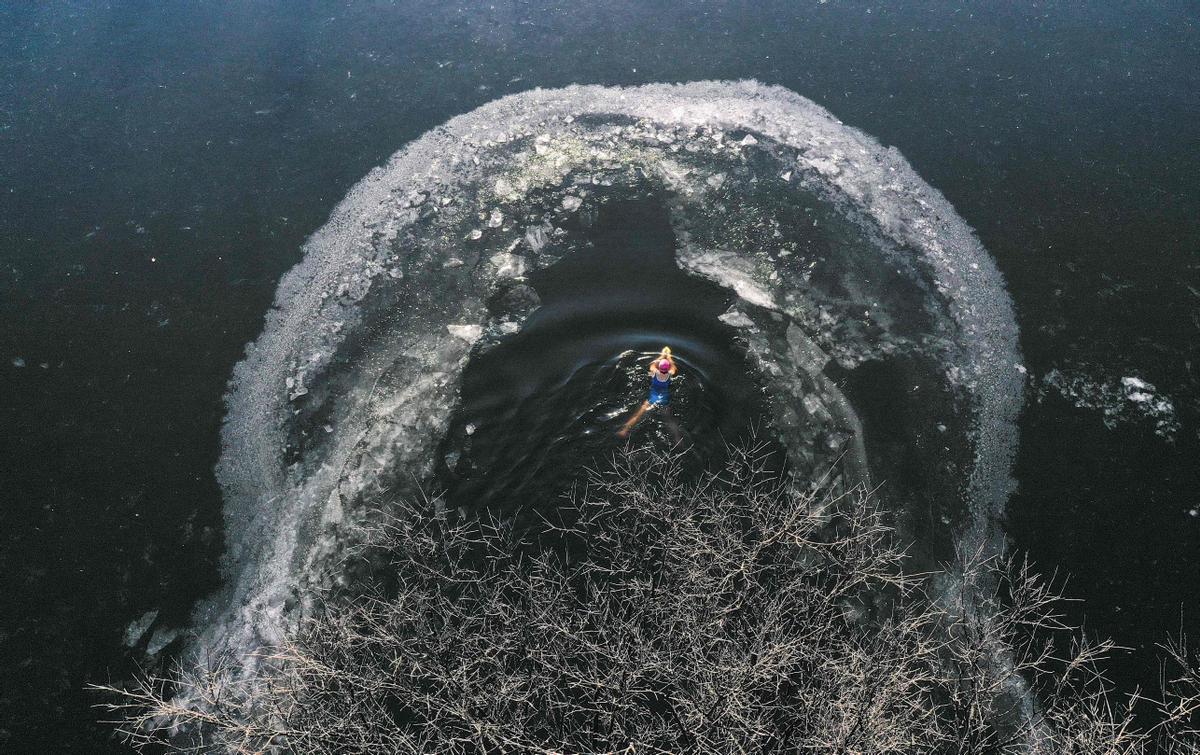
(664, 366)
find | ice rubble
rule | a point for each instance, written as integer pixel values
(1120, 400)
(351, 384)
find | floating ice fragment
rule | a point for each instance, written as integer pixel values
(535, 237)
(729, 269)
(1136, 384)
(469, 333)
(737, 319)
(571, 203)
(1124, 400)
(475, 234)
(138, 627)
(295, 388)
(508, 265)
(18, 362)
(748, 140)
(160, 639)
(496, 219)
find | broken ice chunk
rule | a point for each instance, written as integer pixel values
(469, 333)
(508, 265)
(1136, 384)
(737, 319)
(138, 628)
(160, 639)
(535, 237)
(296, 389)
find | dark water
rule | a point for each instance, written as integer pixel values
(160, 164)
(547, 403)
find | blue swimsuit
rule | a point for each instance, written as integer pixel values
(659, 394)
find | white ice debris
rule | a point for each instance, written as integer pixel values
(1136, 386)
(729, 269)
(18, 362)
(1121, 401)
(295, 388)
(469, 333)
(571, 203)
(535, 237)
(736, 319)
(508, 265)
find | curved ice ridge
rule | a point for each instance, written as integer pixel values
(344, 396)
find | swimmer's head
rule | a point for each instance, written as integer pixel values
(664, 366)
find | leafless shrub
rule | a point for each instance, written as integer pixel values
(651, 613)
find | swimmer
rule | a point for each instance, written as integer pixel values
(662, 368)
